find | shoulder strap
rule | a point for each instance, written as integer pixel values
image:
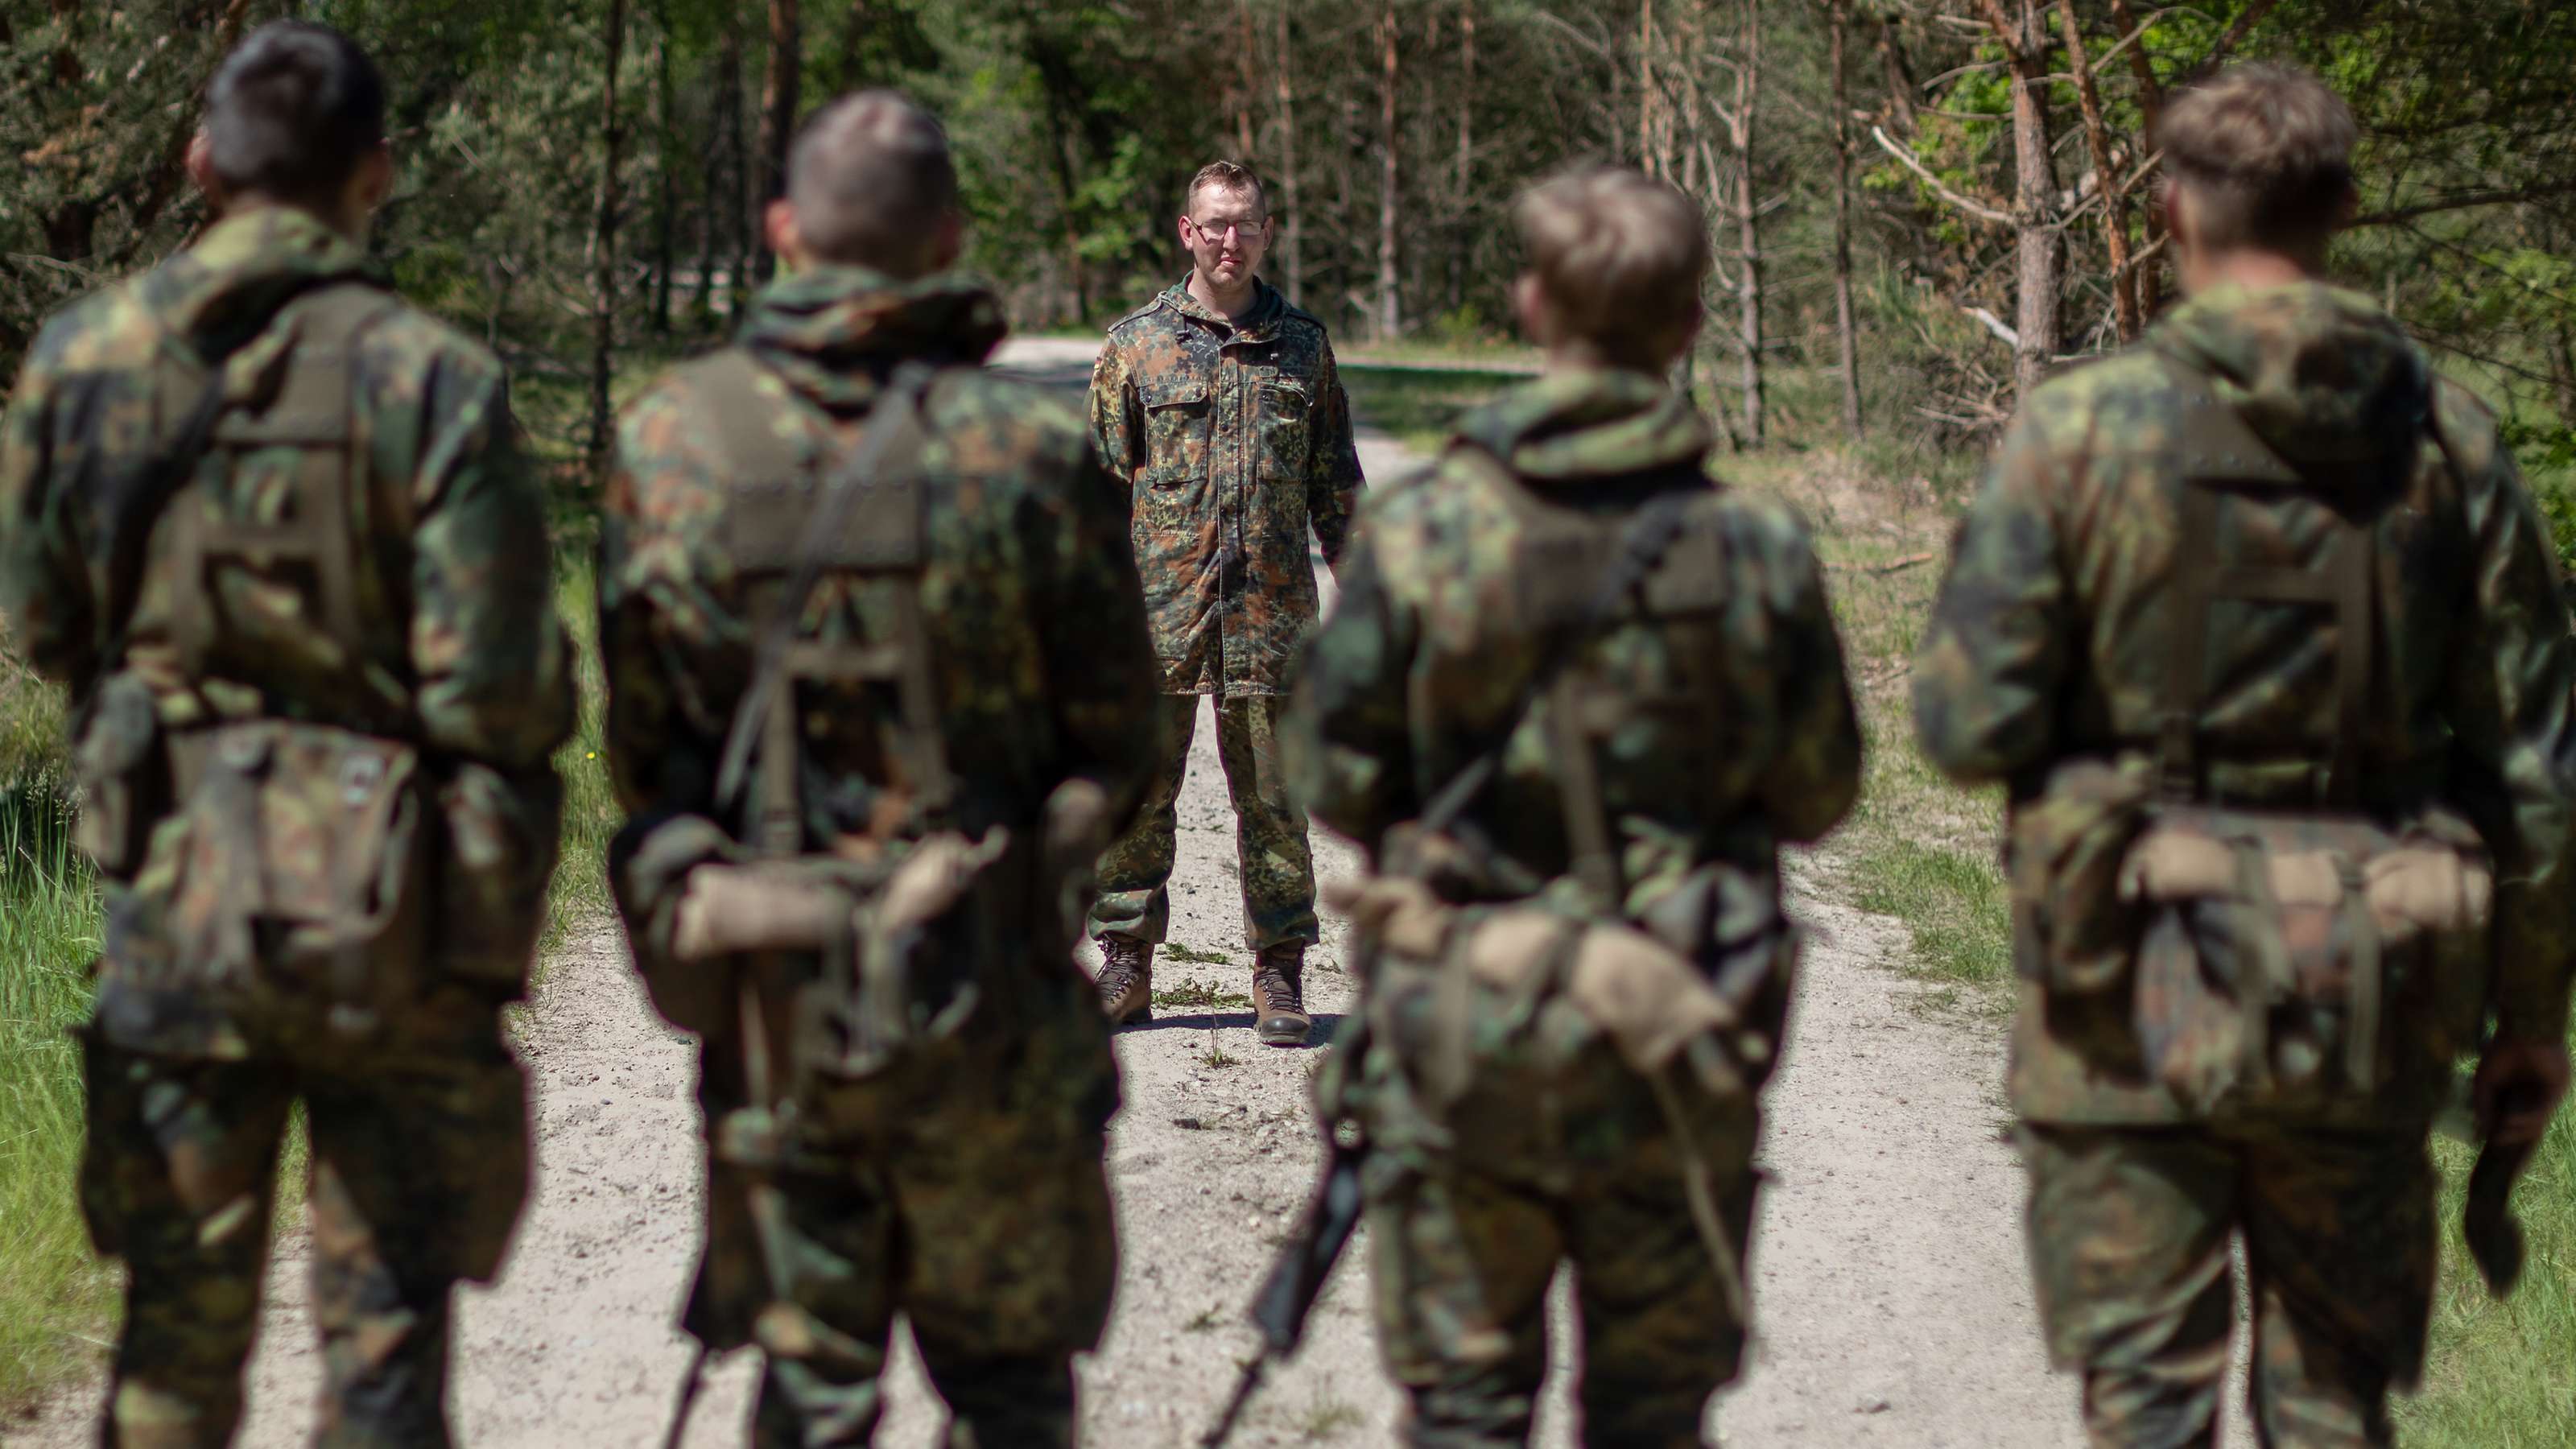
(886, 456)
(2214, 449)
(1642, 543)
(187, 397)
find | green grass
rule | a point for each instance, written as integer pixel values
(55, 1299)
(1418, 405)
(2497, 1376)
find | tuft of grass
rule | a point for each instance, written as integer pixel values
(1196, 995)
(1952, 901)
(1326, 1419)
(1189, 955)
(56, 1300)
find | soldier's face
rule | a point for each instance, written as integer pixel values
(1227, 234)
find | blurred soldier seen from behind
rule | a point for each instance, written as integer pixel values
(879, 689)
(265, 521)
(2261, 633)
(1574, 699)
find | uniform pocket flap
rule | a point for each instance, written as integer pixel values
(1173, 389)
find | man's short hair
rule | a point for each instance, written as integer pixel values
(1620, 255)
(871, 181)
(1231, 176)
(292, 111)
(2266, 152)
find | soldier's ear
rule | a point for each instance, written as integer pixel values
(786, 238)
(1537, 315)
(201, 171)
(948, 243)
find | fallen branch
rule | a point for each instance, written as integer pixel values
(1898, 566)
(1974, 208)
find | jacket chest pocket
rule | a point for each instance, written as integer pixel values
(1178, 429)
(1284, 434)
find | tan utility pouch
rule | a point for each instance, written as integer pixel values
(301, 870)
(2284, 951)
(1500, 963)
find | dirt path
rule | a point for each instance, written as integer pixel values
(1892, 1302)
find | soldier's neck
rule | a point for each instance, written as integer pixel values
(2246, 267)
(1231, 303)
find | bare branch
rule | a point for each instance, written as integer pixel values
(1980, 210)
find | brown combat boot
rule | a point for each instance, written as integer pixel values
(1126, 979)
(1279, 996)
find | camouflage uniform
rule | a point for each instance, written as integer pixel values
(2045, 648)
(1232, 437)
(443, 643)
(962, 1185)
(1719, 724)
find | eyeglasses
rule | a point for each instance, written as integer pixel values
(1227, 231)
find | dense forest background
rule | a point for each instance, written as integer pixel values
(1955, 192)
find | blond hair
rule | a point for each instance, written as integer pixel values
(2266, 153)
(1231, 176)
(1620, 255)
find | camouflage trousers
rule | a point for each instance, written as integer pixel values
(971, 1200)
(1462, 1258)
(1278, 870)
(418, 1173)
(2129, 1231)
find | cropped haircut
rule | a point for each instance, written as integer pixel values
(871, 180)
(2266, 153)
(1231, 176)
(292, 111)
(1620, 255)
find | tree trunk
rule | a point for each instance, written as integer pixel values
(1295, 233)
(1463, 183)
(2151, 109)
(715, 199)
(1248, 82)
(1390, 317)
(2115, 191)
(666, 132)
(739, 184)
(1847, 343)
(603, 336)
(1647, 152)
(1748, 276)
(780, 85)
(2039, 272)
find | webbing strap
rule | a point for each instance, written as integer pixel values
(2218, 449)
(314, 410)
(865, 517)
(1642, 544)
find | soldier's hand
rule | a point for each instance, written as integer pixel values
(2518, 1088)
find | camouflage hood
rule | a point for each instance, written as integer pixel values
(1585, 423)
(831, 331)
(220, 293)
(2322, 374)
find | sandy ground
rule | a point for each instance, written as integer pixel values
(1893, 1306)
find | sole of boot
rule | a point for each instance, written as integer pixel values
(1282, 1034)
(1139, 1017)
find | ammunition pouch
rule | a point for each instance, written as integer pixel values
(2283, 954)
(1459, 992)
(292, 877)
